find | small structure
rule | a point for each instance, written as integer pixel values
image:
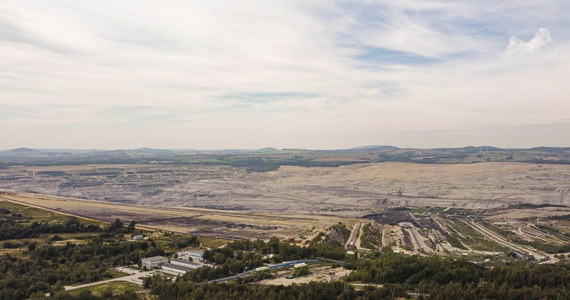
(193, 254)
(150, 263)
(350, 253)
(299, 265)
(138, 237)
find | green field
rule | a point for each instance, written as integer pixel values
(116, 287)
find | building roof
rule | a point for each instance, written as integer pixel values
(185, 261)
(176, 267)
(191, 252)
(154, 258)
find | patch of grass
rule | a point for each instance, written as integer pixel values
(483, 244)
(213, 243)
(116, 274)
(370, 236)
(474, 239)
(500, 231)
(453, 241)
(32, 214)
(118, 287)
(465, 229)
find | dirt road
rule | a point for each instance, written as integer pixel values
(354, 234)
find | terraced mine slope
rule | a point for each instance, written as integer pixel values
(352, 190)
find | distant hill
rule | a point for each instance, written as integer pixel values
(376, 148)
(267, 149)
(21, 151)
(550, 149)
(269, 158)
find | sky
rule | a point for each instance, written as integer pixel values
(246, 74)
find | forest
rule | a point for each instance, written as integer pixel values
(46, 266)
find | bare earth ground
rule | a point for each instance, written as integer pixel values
(343, 191)
(295, 202)
(203, 222)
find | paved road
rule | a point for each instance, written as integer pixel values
(281, 265)
(133, 278)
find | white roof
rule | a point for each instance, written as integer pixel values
(154, 258)
(177, 267)
(191, 252)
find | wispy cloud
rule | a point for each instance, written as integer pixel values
(217, 74)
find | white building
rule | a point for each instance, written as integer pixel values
(193, 254)
(179, 266)
(138, 237)
(150, 263)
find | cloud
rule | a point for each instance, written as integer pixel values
(322, 74)
(516, 45)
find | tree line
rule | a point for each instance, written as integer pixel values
(12, 227)
(446, 278)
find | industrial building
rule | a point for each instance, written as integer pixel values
(185, 263)
(193, 254)
(150, 263)
(174, 269)
(179, 266)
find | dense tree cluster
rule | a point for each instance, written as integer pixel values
(444, 278)
(185, 242)
(239, 256)
(12, 227)
(237, 291)
(282, 251)
(118, 227)
(69, 264)
(47, 267)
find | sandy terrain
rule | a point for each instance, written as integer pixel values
(323, 274)
(203, 222)
(481, 185)
(227, 202)
(343, 191)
